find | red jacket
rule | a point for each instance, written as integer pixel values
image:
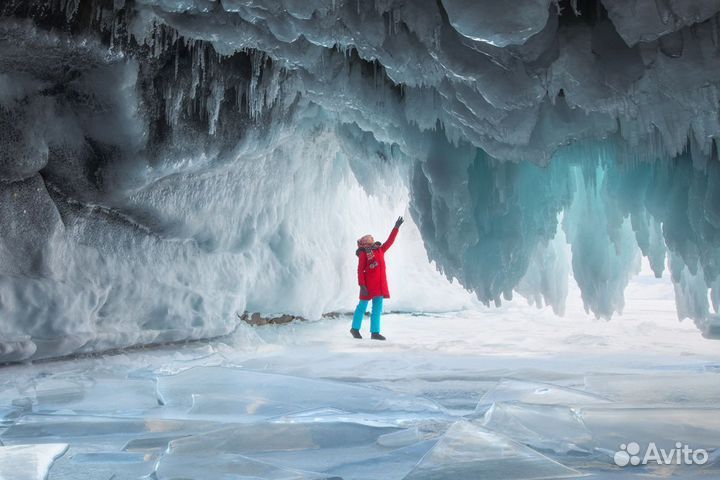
(374, 278)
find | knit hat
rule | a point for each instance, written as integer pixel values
(365, 240)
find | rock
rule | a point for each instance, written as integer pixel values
(257, 319)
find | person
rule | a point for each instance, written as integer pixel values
(372, 281)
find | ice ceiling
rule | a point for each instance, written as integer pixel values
(167, 163)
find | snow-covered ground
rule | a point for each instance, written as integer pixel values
(514, 393)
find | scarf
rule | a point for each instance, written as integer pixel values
(370, 253)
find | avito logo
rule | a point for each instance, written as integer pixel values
(629, 454)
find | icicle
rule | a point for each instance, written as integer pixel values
(574, 6)
(177, 58)
(715, 32)
(153, 38)
(217, 95)
(255, 100)
(664, 11)
(71, 8)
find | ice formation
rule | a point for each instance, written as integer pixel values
(166, 164)
(306, 401)
(29, 462)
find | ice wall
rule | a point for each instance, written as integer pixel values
(166, 164)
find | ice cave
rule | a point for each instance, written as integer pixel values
(186, 189)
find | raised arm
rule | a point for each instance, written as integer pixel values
(391, 239)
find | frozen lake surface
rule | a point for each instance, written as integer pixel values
(501, 394)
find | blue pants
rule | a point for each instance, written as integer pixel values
(377, 304)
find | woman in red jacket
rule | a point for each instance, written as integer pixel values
(372, 281)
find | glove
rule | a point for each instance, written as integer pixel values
(399, 222)
(363, 291)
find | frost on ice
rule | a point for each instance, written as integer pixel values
(166, 164)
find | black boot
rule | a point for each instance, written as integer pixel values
(377, 336)
(355, 333)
